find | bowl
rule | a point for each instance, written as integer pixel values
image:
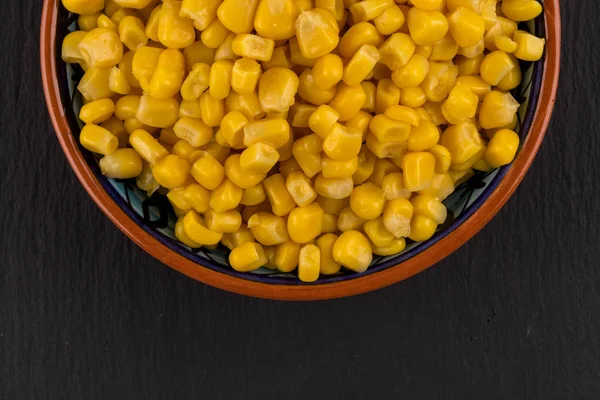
(149, 221)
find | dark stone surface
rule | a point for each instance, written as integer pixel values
(85, 314)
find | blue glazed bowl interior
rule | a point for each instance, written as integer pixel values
(156, 216)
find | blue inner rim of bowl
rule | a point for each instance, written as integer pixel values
(469, 196)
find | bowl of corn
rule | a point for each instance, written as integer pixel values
(300, 149)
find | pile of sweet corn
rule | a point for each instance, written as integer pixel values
(306, 134)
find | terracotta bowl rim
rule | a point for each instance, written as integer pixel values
(427, 256)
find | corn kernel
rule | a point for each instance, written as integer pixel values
(387, 95)
(97, 111)
(101, 48)
(275, 19)
(268, 229)
(328, 71)
(258, 158)
(367, 10)
(337, 188)
(117, 82)
(247, 257)
(426, 26)
(121, 164)
(463, 142)
(386, 129)
(254, 195)
(325, 243)
(147, 147)
(195, 228)
(342, 143)
(348, 101)
(397, 50)
(233, 171)
(358, 35)
(300, 188)
(381, 169)
(413, 97)
(307, 152)
(360, 65)
(183, 149)
(198, 53)
(247, 104)
(529, 47)
(495, 66)
(309, 263)
(132, 33)
(383, 149)
(281, 200)
(183, 237)
(390, 20)
(175, 31)
(360, 122)
(348, 221)
(83, 7)
(238, 15)
(305, 223)
(511, 80)
(502, 148)
(441, 187)
(367, 201)
(197, 197)
(311, 93)
(245, 75)
(280, 58)
(238, 238)
(378, 234)
(117, 128)
(194, 131)
(497, 110)
(461, 104)
(286, 256)
(338, 169)
(521, 10)
(171, 171)
(422, 228)
(253, 46)
(439, 81)
(393, 186)
(353, 250)
(397, 216)
(207, 171)
(225, 50)
(274, 132)
(418, 170)
(276, 89)
(466, 26)
(317, 33)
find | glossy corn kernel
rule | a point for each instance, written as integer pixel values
(430, 207)
(288, 166)
(83, 7)
(439, 81)
(117, 128)
(253, 46)
(441, 187)
(511, 80)
(234, 171)
(413, 97)
(70, 52)
(495, 66)
(338, 169)
(330, 222)
(322, 120)
(220, 79)
(463, 142)
(334, 188)
(502, 148)
(281, 200)
(175, 31)
(328, 71)
(226, 196)
(311, 93)
(521, 10)
(213, 36)
(247, 104)
(325, 243)
(207, 171)
(300, 188)
(461, 104)
(468, 66)
(195, 228)
(378, 234)
(245, 75)
(117, 82)
(145, 180)
(367, 10)
(426, 26)
(348, 101)
(87, 23)
(194, 131)
(466, 26)
(393, 186)
(247, 257)
(132, 33)
(143, 65)
(305, 223)
(497, 110)
(381, 169)
(97, 111)
(121, 164)
(254, 195)
(384, 149)
(238, 15)
(225, 222)
(443, 158)
(275, 19)
(477, 85)
(196, 196)
(237, 238)
(276, 89)
(342, 143)
(397, 50)
(133, 124)
(434, 113)
(387, 95)
(422, 228)
(280, 58)
(147, 147)
(358, 35)
(444, 50)
(274, 132)
(158, 113)
(225, 50)
(412, 74)
(198, 53)
(390, 20)
(505, 44)
(171, 171)
(196, 83)
(309, 263)
(212, 110)
(177, 198)
(386, 129)
(333, 206)
(286, 256)
(101, 48)
(259, 158)
(360, 122)
(183, 149)
(360, 65)
(353, 250)
(168, 76)
(418, 168)
(529, 47)
(397, 216)
(367, 201)
(317, 33)
(183, 237)
(268, 229)
(300, 114)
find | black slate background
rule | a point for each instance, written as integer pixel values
(85, 314)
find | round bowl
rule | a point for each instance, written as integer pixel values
(149, 221)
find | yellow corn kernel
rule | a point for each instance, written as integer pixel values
(214, 35)
(177, 198)
(348, 101)
(395, 247)
(238, 238)
(497, 110)
(171, 171)
(387, 94)
(183, 237)
(254, 195)
(477, 85)
(418, 168)
(505, 44)
(148, 147)
(276, 89)
(143, 65)
(117, 82)
(183, 149)
(299, 115)
(502, 148)
(342, 143)
(393, 186)
(322, 120)
(495, 66)
(196, 196)
(422, 228)
(203, 13)
(429, 206)
(213, 110)
(311, 93)
(383, 149)
(207, 171)
(521, 10)
(445, 49)
(105, 22)
(348, 220)
(288, 166)
(390, 20)
(247, 257)
(132, 33)
(101, 48)
(97, 111)
(473, 5)
(426, 26)
(469, 66)
(403, 114)
(370, 96)
(70, 52)
(132, 124)
(330, 222)
(281, 200)
(245, 75)
(195, 228)
(307, 152)
(325, 243)
(285, 151)
(226, 196)
(287, 255)
(196, 82)
(220, 153)
(360, 65)
(123, 12)
(87, 23)
(259, 158)
(413, 97)
(386, 129)
(463, 142)
(225, 50)
(309, 263)
(381, 169)
(461, 104)
(334, 188)
(317, 33)
(378, 234)
(198, 53)
(158, 113)
(296, 57)
(335, 7)
(275, 19)
(367, 201)
(253, 46)
(279, 58)
(328, 71)
(175, 31)
(466, 26)
(145, 180)
(268, 229)
(338, 169)
(194, 131)
(152, 24)
(121, 164)
(333, 206)
(274, 132)
(482, 165)
(511, 80)
(234, 171)
(238, 15)
(433, 113)
(441, 187)
(168, 75)
(439, 81)
(413, 73)
(529, 47)
(220, 79)
(367, 10)
(117, 128)
(247, 104)
(360, 122)
(443, 158)
(300, 188)
(305, 223)
(353, 250)
(397, 216)
(397, 50)
(427, 4)
(358, 35)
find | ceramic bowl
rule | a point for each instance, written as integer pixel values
(149, 221)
